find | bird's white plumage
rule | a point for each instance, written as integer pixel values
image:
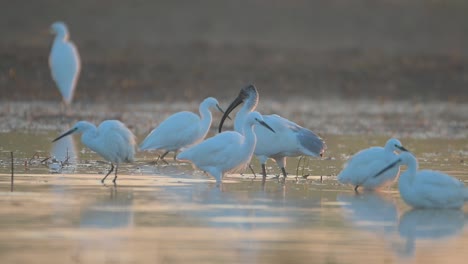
(360, 169)
(182, 129)
(289, 139)
(111, 139)
(286, 142)
(64, 62)
(226, 152)
(427, 188)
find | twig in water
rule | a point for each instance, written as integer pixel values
(34, 156)
(297, 167)
(44, 160)
(12, 172)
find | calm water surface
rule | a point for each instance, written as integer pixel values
(60, 213)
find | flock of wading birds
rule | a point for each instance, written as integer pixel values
(265, 136)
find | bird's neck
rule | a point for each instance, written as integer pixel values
(205, 117)
(89, 137)
(410, 173)
(250, 139)
(61, 37)
(241, 116)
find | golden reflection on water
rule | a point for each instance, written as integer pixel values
(171, 214)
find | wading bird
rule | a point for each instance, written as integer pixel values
(112, 140)
(64, 62)
(182, 129)
(427, 188)
(289, 139)
(229, 151)
(360, 169)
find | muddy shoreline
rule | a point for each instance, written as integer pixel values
(334, 116)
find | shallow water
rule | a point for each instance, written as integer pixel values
(60, 213)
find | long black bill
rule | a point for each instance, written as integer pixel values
(391, 165)
(65, 134)
(265, 125)
(402, 148)
(222, 111)
(231, 107)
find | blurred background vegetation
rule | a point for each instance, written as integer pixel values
(146, 50)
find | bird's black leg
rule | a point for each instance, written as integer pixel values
(115, 177)
(284, 172)
(264, 171)
(355, 188)
(251, 169)
(162, 157)
(109, 172)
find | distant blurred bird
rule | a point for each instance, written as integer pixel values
(360, 169)
(112, 140)
(182, 129)
(289, 139)
(427, 188)
(226, 152)
(64, 62)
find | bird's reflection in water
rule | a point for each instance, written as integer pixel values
(63, 159)
(429, 224)
(113, 211)
(105, 222)
(63, 156)
(371, 211)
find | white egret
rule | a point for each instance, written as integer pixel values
(360, 169)
(427, 188)
(64, 62)
(289, 139)
(112, 140)
(182, 129)
(229, 151)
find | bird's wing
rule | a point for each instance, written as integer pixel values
(178, 130)
(311, 144)
(362, 157)
(116, 141)
(437, 187)
(217, 150)
(65, 66)
(364, 163)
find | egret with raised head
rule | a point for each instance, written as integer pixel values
(229, 151)
(427, 188)
(360, 169)
(289, 139)
(111, 139)
(64, 62)
(182, 129)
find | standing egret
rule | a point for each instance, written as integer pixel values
(182, 129)
(289, 139)
(64, 62)
(229, 151)
(427, 188)
(360, 169)
(112, 140)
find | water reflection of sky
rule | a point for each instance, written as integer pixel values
(245, 205)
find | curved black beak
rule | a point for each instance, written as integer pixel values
(265, 125)
(231, 107)
(65, 134)
(391, 165)
(222, 111)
